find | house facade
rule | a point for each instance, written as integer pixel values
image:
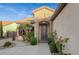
(12, 26)
(42, 24)
(8, 27)
(41, 16)
(66, 23)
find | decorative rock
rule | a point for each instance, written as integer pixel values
(20, 38)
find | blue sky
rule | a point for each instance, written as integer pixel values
(18, 11)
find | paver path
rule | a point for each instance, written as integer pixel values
(22, 48)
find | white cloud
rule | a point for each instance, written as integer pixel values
(4, 17)
(21, 14)
(29, 15)
(11, 9)
(24, 15)
(8, 8)
(16, 14)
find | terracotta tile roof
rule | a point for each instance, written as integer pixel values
(0, 22)
(28, 19)
(6, 22)
(24, 21)
(18, 21)
(44, 7)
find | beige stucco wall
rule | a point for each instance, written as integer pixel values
(10, 27)
(43, 13)
(67, 25)
(36, 25)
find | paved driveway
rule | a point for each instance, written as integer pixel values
(22, 48)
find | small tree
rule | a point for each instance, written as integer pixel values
(24, 33)
(1, 30)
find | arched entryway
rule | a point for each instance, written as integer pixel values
(44, 31)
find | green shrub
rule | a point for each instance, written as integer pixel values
(1, 31)
(53, 48)
(25, 38)
(49, 38)
(60, 44)
(56, 46)
(30, 34)
(51, 42)
(7, 44)
(33, 41)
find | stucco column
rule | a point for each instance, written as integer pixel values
(17, 34)
(51, 26)
(36, 27)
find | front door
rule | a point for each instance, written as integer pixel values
(44, 35)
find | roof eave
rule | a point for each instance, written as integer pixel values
(42, 8)
(58, 10)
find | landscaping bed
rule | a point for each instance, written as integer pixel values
(57, 44)
(7, 44)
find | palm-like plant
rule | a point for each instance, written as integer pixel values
(24, 27)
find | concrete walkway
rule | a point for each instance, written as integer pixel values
(22, 48)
